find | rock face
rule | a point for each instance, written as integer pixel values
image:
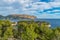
(18, 16)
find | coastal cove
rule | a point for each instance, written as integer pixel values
(53, 22)
(24, 17)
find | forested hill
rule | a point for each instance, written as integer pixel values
(18, 16)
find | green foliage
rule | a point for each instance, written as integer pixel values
(5, 29)
(56, 34)
(28, 30)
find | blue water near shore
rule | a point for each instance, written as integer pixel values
(53, 22)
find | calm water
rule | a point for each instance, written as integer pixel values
(53, 22)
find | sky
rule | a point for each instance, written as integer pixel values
(39, 8)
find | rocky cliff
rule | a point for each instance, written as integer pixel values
(23, 16)
(17, 17)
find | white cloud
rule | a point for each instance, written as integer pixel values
(9, 1)
(24, 1)
(41, 5)
(47, 16)
(9, 8)
(34, 6)
(54, 4)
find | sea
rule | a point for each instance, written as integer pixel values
(53, 22)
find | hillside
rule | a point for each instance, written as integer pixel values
(17, 17)
(1, 17)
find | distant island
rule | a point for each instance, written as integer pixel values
(17, 17)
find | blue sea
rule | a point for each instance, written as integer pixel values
(53, 22)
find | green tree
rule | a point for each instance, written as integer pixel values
(27, 31)
(5, 29)
(56, 34)
(44, 32)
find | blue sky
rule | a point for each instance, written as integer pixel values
(39, 8)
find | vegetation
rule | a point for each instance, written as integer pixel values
(28, 30)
